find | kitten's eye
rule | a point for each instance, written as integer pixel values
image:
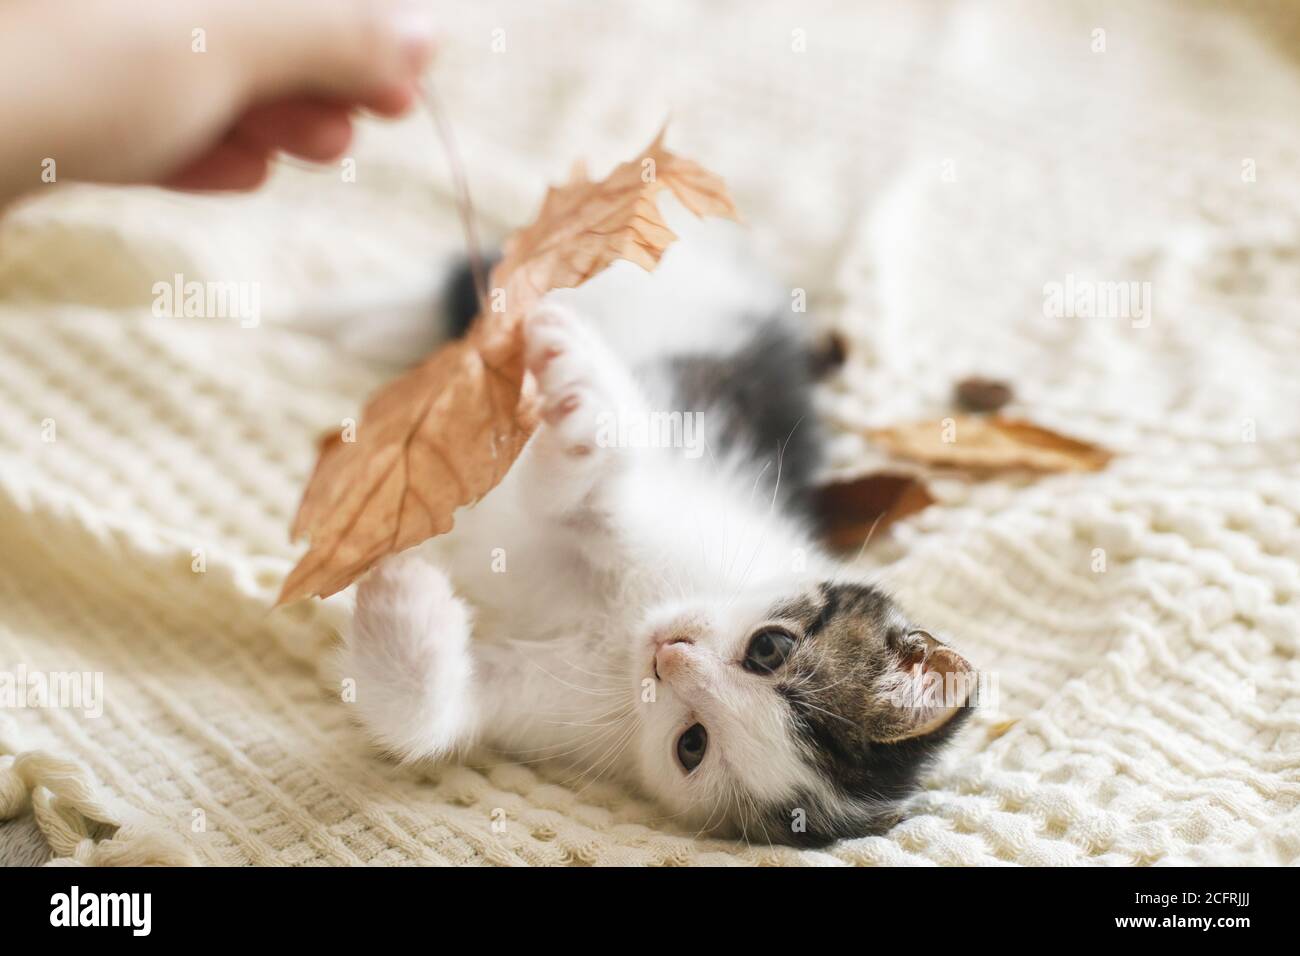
(767, 651)
(691, 746)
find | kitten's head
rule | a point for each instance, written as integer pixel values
(802, 721)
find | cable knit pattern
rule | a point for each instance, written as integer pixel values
(923, 172)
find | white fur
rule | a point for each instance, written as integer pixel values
(409, 655)
(608, 553)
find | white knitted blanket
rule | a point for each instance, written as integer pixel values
(924, 170)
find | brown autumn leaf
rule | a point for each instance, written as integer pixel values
(989, 444)
(850, 512)
(445, 433)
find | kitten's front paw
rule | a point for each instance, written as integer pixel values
(580, 380)
(408, 652)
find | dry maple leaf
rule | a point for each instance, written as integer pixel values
(850, 512)
(445, 433)
(977, 443)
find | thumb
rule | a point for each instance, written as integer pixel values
(351, 49)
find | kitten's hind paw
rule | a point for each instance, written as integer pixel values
(408, 652)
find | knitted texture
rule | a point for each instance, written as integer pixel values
(923, 171)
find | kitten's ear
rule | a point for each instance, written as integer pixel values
(931, 686)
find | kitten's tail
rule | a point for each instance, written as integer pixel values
(460, 300)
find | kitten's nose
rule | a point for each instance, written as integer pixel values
(672, 655)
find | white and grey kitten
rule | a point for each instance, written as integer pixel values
(643, 597)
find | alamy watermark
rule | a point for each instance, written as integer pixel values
(637, 428)
(75, 908)
(936, 690)
(1093, 299)
(65, 690)
(209, 300)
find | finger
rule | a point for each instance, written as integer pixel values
(393, 101)
(349, 49)
(310, 128)
(230, 165)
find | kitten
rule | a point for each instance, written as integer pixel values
(643, 597)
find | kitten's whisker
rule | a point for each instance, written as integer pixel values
(847, 676)
(771, 507)
(582, 690)
(677, 581)
(606, 760)
(762, 540)
(742, 816)
(821, 710)
(612, 674)
(870, 531)
(744, 578)
(576, 709)
(585, 742)
(759, 817)
(762, 823)
(759, 477)
(723, 551)
(582, 723)
(592, 740)
(719, 802)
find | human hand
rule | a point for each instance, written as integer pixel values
(195, 94)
